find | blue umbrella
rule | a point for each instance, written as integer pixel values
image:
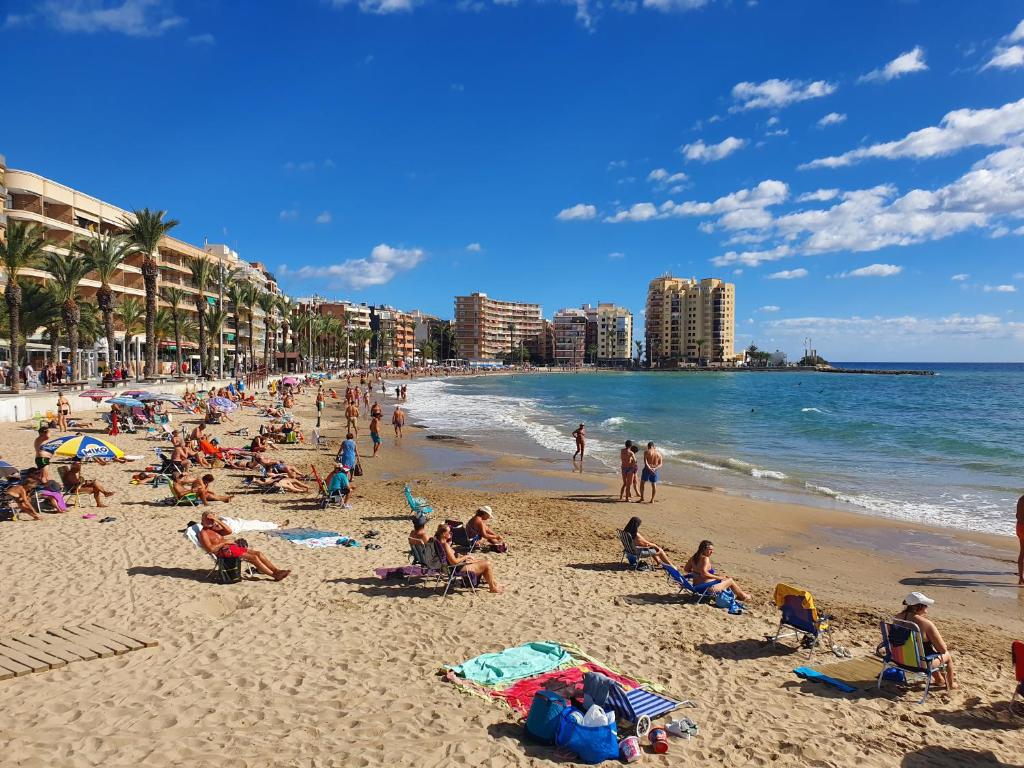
(82, 447)
(8, 470)
(223, 404)
(130, 402)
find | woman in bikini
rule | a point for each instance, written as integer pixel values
(703, 573)
(63, 411)
(479, 567)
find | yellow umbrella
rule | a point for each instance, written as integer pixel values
(83, 447)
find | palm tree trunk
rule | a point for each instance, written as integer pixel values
(201, 321)
(238, 343)
(13, 298)
(177, 341)
(150, 276)
(54, 331)
(71, 315)
(105, 300)
(251, 361)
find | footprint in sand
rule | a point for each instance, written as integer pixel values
(212, 607)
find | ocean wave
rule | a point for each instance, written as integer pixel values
(812, 410)
(614, 421)
(771, 474)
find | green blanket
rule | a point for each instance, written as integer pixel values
(513, 664)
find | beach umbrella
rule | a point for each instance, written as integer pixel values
(159, 396)
(222, 403)
(83, 447)
(129, 402)
(96, 394)
(8, 470)
(290, 380)
(135, 392)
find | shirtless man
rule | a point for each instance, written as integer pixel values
(652, 463)
(43, 458)
(375, 433)
(351, 417)
(75, 483)
(217, 539)
(398, 420)
(580, 434)
(1020, 538)
(201, 488)
(627, 462)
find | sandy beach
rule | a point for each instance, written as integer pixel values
(335, 667)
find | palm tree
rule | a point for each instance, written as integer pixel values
(202, 270)
(426, 350)
(163, 327)
(362, 337)
(105, 255)
(268, 303)
(131, 313)
(251, 294)
(700, 349)
(23, 249)
(215, 317)
(145, 228)
(67, 270)
(296, 319)
(39, 309)
(284, 307)
(174, 298)
(640, 353)
(235, 294)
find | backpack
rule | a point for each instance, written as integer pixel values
(545, 711)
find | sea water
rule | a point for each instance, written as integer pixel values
(943, 449)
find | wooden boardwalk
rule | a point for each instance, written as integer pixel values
(55, 648)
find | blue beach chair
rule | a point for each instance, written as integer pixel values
(801, 617)
(633, 557)
(639, 706)
(418, 505)
(903, 648)
(685, 584)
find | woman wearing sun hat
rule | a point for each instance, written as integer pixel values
(915, 609)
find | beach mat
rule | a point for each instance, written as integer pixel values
(859, 674)
(29, 652)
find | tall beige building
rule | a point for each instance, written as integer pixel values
(612, 334)
(687, 320)
(488, 329)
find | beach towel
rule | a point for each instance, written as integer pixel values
(513, 664)
(237, 524)
(314, 538)
(402, 572)
(519, 696)
(812, 674)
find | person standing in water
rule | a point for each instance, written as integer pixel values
(580, 434)
(627, 461)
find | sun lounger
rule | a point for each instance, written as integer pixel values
(685, 583)
(903, 648)
(630, 554)
(801, 617)
(637, 707)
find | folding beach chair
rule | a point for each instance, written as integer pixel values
(630, 554)
(1017, 654)
(416, 504)
(325, 498)
(685, 583)
(802, 618)
(449, 573)
(227, 570)
(903, 648)
(74, 496)
(460, 536)
(639, 706)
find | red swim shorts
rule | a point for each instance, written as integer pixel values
(232, 550)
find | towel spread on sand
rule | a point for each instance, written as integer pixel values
(315, 539)
(513, 664)
(812, 674)
(519, 696)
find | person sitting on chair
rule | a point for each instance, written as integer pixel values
(217, 539)
(478, 528)
(477, 566)
(75, 483)
(915, 610)
(645, 547)
(700, 566)
(338, 484)
(419, 530)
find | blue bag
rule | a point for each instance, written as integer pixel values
(545, 711)
(593, 744)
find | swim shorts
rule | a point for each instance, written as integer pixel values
(41, 461)
(232, 550)
(649, 476)
(375, 437)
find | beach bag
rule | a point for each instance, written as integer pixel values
(592, 744)
(727, 600)
(545, 711)
(357, 470)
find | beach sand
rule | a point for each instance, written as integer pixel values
(334, 667)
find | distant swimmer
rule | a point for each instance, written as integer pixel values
(1020, 538)
(652, 463)
(580, 433)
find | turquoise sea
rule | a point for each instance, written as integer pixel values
(943, 449)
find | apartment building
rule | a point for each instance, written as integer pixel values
(570, 332)
(689, 321)
(488, 329)
(610, 333)
(394, 334)
(66, 214)
(355, 316)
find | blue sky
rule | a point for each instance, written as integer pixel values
(856, 169)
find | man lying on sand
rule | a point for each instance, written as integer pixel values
(217, 539)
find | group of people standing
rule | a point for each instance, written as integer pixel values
(629, 465)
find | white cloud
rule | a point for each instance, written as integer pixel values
(383, 264)
(1000, 288)
(289, 214)
(378, 6)
(776, 94)
(638, 212)
(874, 270)
(773, 120)
(832, 118)
(753, 258)
(960, 277)
(904, 64)
(885, 328)
(961, 128)
(615, 255)
(613, 164)
(661, 178)
(818, 196)
(15, 20)
(135, 18)
(734, 208)
(578, 212)
(709, 153)
(475, 248)
(1006, 55)
(324, 218)
(667, 6)
(203, 39)
(789, 274)
(770, 308)
(778, 132)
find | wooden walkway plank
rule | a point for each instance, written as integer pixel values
(132, 642)
(5, 674)
(58, 647)
(34, 664)
(35, 653)
(89, 640)
(63, 654)
(14, 667)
